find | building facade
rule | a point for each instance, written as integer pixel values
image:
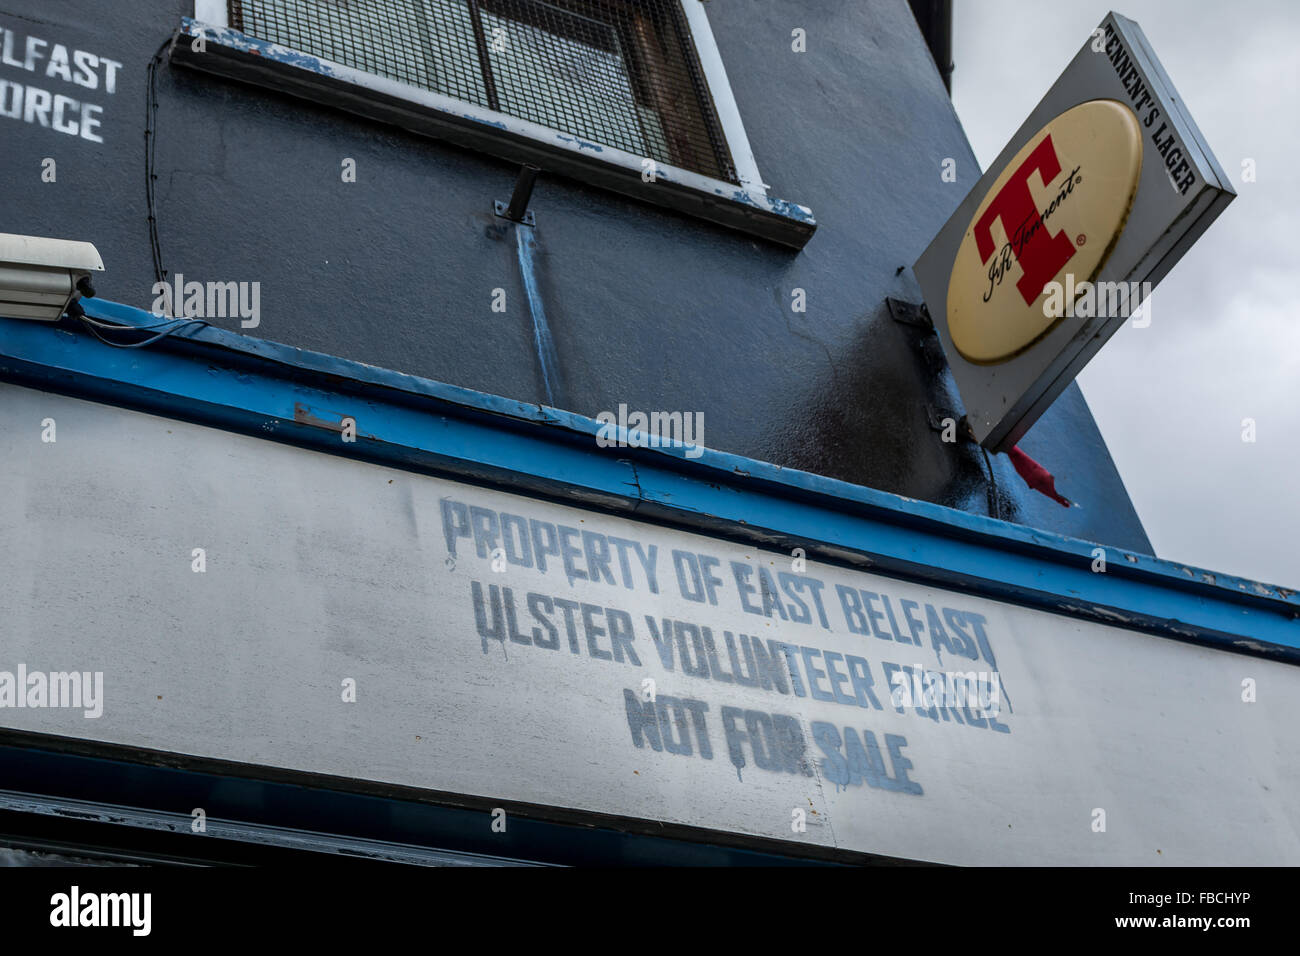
(414, 376)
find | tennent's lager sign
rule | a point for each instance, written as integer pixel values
(1091, 203)
(1091, 194)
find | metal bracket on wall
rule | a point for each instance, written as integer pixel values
(908, 313)
(517, 209)
(918, 317)
(938, 417)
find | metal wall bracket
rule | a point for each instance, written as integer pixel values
(517, 209)
(501, 209)
(917, 316)
(935, 415)
(908, 313)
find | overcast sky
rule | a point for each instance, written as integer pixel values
(1224, 340)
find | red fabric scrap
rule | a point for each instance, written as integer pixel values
(1035, 475)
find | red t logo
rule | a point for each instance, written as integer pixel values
(1040, 254)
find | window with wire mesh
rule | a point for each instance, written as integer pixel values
(621, 73)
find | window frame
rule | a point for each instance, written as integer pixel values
(748, 206)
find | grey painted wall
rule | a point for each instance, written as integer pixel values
(647, 307)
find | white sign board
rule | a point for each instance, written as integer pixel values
(507, 647)
(1095, 198)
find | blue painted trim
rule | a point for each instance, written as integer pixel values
(220, 378)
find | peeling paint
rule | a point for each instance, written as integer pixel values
(580, 143)
(783, 207)
(1102, 612)
(233, 39)
(484, 121)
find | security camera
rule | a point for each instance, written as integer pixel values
(40, 278)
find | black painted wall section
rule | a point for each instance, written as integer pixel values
(647, 307)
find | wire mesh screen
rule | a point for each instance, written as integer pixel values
(620, 73)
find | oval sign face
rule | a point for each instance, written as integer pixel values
(1058, 208)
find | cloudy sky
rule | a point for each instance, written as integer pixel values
(1224, 339)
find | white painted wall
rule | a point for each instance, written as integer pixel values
(320, 569)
